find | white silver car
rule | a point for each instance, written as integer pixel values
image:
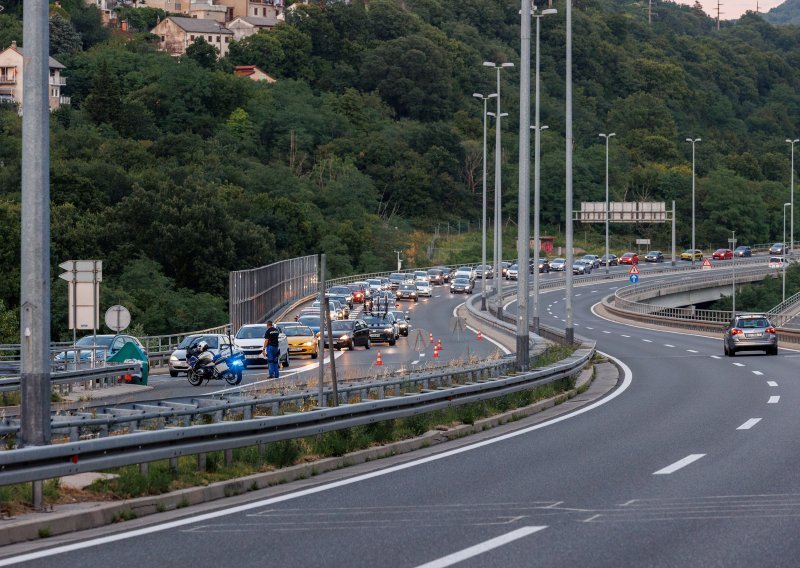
(424, 288)
(465, 272)
(250, 339)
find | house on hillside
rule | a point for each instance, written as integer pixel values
(11, 72)
(245, 26)
(270, 9)
(207, 10)
(253, 73)
(176, 34)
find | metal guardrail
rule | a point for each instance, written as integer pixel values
(45, 462)
(8, 384)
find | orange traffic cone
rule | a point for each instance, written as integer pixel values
(480, 335)
(435, 351)
(379, 360)
(431, 337)
(439, 347)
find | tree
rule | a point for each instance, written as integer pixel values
(203, 53)
(63, 37)
(104, 100)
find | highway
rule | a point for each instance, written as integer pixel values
(691, 461)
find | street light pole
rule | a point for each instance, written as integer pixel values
(498, 230)
(791, 201)
(483, 220)
(693, 141)
(537, 146)
(399, 262)
(783, 261)
(733, 270)
(524, 194)
(608, 138)
(569, 332)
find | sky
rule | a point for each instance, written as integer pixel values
(733, 9)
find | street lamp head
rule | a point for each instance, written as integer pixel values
(492, 96)
(507, 65)
(787, 204)
(548, 11)
(489, 64)
(477, 95)
(792, 141)
(543, 127)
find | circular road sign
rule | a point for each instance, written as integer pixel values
(118, 318)
(634, 278)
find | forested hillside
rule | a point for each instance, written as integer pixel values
(174, 171)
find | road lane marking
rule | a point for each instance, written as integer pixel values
(587, 327)
(415, 362)
(772, 383)
(691, 458)
(692, 351)
(647, 340)
(626, 383)
(668, 345)
(758, 373)
(739, 364)
(481, 548)
(716, 357)
(749, 424)
(774, 400)
(576, 295)
(604, 331)
(623, 335)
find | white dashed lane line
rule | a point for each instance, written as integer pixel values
(759, 373)
(774, 400)
(691, 458)
(749, 424)
(647, 340)
(604, 331)
(668, 345)
(623, 335)
(739, 364)
(692, 351)
(716, 357)
(772, 383)
(587, 327)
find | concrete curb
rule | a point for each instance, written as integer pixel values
(64, 519)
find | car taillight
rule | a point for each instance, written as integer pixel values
(736, 331)
(770, 330)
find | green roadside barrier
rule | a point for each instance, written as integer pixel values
(132, 353)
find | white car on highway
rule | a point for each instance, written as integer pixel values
(424, 288)
(465, 272)
(250, 339)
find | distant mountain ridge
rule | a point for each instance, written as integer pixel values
(786, 13)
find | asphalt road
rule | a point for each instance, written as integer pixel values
(692, 461)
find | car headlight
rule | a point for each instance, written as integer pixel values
(173, 358)
(389, 330)
(308, 343)
(345, 337)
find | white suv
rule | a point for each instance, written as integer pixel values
(465, 272)
(250, 339)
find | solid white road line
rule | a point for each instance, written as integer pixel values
(504, 349)
(774, 400)
(679, 464)
(739, 364)
(749, 424)
(772, 383)
(626, 382)
(485, 546)
(758, 373)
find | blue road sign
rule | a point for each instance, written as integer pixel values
(634, 278)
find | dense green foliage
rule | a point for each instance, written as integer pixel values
(175, 166)
(787, 12)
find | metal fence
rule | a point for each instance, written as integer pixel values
(259, 293)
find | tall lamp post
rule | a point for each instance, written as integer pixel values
(569, 331)
(693, 141)
(608, 138)
(524, 193)
(783, 263)
(791, 201)
(498, 230)
(537, 245)
(483, 220)
(732, 240)
(537, 145)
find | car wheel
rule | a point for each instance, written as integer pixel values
(368, 344)
(173, 373)
(772, 350)
(315, 354)
(392, 342)
(416, 299)
(731, 352)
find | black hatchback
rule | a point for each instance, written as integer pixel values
(349, 333)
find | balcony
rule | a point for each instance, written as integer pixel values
(64, 101)
(8, 80)
(57, 81)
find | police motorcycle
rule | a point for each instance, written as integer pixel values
(204, 365)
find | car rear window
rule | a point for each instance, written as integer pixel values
(753, 322)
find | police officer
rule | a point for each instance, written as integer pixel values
(272, 349)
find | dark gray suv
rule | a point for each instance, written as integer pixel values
(750, 332)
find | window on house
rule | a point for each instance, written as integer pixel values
(192, 37)
(210, 39)
(219, 39)
(163, 39)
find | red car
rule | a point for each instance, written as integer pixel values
(722, 254)
(629, 258)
